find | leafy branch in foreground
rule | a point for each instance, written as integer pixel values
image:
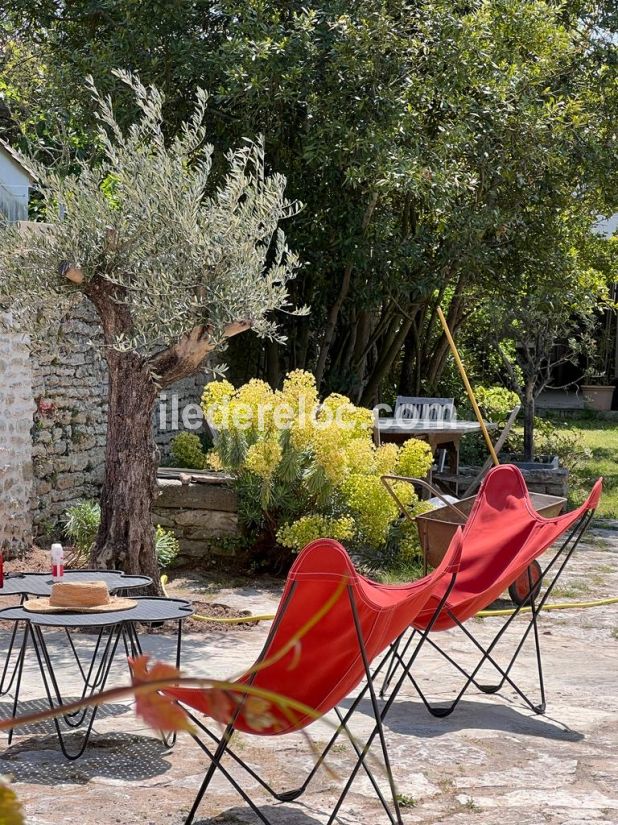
(161, 711)
(147, 681)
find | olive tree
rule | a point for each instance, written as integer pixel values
(174, 264)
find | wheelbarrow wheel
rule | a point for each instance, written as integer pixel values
(520, 590)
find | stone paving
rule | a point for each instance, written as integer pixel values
(492, 761)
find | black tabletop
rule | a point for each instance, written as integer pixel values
(148, 609)
(39, 584)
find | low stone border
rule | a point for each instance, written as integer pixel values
(199, 508)
(553, 481)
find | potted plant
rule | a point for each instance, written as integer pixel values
(598, 394)
(597, 390)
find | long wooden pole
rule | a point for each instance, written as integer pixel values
(468, 386)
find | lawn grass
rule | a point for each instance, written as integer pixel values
(601, 439)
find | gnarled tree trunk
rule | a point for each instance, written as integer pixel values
(125, 540)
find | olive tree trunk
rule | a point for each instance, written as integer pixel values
(125, 540)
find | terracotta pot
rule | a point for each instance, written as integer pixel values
(598, 397)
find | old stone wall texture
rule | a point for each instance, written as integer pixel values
(199, 514)
(16, 407)
(553, 481)
(68, 435)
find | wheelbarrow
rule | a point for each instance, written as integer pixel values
(437, 527)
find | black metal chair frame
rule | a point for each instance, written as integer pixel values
(221, 743)
(402, 659)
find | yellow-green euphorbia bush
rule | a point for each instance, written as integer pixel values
(307, 469)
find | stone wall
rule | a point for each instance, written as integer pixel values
(199, 513)
(68, 435)
(178, 409)
(16, 407)
(553, 481)
(70, 391)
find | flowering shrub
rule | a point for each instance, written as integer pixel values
(187, 451)
(299, 533)
(306, 469)
(374, 508)
(414, 459)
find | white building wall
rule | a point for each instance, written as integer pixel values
(16, 411)
(14, 185)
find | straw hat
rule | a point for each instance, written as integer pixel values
(78, 597)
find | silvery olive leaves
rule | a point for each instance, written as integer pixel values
(180, 249)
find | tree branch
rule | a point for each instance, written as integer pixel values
(333, 313)
(185, 357)
(71, 272)
(114, 314)
(510, 370)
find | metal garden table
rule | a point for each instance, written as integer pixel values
(446, 434)
(39, 584)
(434, 432)
(120, 624)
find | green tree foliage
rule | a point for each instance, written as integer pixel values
(547, 317)
(147, 223)
(434, 143)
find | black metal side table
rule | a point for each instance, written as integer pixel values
(120, 624)
(40, 584)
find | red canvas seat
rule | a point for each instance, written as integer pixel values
(502, 536)
(330, 664)
(330, 661)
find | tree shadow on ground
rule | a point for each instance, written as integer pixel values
(37, 705)
(284, 814)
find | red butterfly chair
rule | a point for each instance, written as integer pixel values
(332, 658)
(501, 540)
